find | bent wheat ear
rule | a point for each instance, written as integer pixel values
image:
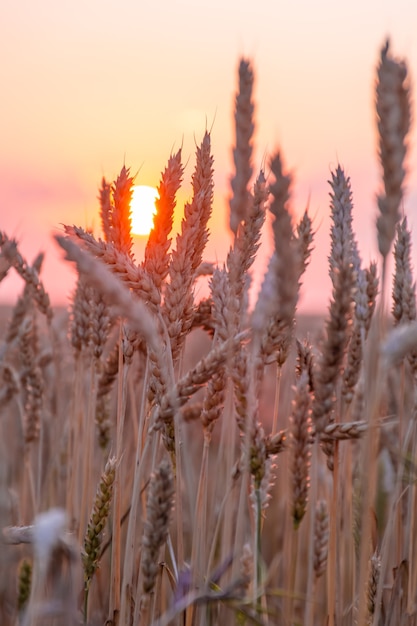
(114, 291)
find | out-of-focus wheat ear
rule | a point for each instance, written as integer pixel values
(393, 118)
(286, 249)
(55, 571)
(5, 265)
(24, 582)
(116, 294)
(104, 386)
(305, 237)
(372, 588)
(23, 305)
(305, 361)
(321, 538)
(202, 316)
(106, 209)
(371, 291)
(158, 517)
(134, 276)
(213, 401)
(32, 381)
(274, 313)
(404, 288)
(275, 443)
(97, 522)
(121, 215)
(100, 323)
(21, 309)
(242, 255)
(10, 384)
(300, 444)
(242, 152)
(29, 274)
(246, 567)
(157, 258)
(79, 327)
(357, 339)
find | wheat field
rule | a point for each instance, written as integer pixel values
(166, 459)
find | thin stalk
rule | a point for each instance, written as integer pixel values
(218, 525)
(332, 557)
(309, 610)
(85, 604)
(241, 519)
(178, 494)
(29, 484)
(73, 452)
(114, 604)
(88, 455)
(373, 378)
(130, 548)
(257, 566)
(198, 552)
(412, 580)
(225, 464)
(295, 539)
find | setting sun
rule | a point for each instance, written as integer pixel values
(143, 209)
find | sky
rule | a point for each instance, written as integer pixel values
(89, 85)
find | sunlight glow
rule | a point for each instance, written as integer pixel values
(143, 209)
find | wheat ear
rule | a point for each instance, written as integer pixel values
(156, 261)
(158, 517)
(393, 116)
(242, 153)
(95, 527)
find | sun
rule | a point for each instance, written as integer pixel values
(143, 209)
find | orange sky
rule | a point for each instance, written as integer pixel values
(88, 85)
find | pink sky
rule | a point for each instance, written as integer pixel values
(89, 85)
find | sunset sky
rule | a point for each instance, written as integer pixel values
(89, 85)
